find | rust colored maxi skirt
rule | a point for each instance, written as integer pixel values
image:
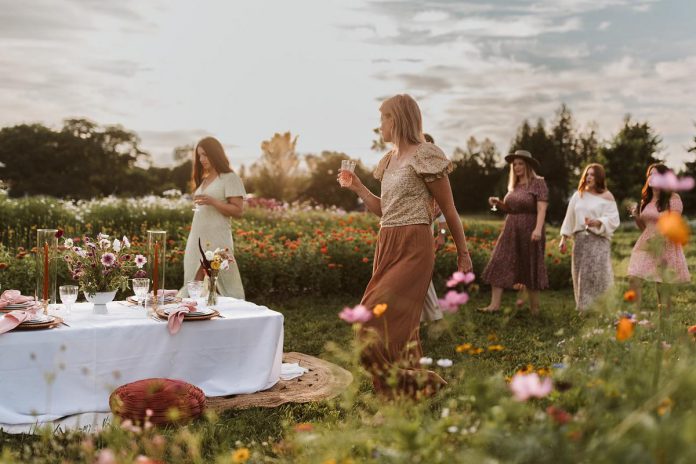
(402, 269)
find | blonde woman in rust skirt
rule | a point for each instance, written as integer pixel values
(413, 177)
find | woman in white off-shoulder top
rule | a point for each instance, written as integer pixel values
(591, 219)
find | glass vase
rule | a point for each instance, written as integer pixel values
(46, 266)
(156, 253)
(212, 289)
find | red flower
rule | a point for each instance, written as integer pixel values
(365, 260)
(59, 233)
(559, 415)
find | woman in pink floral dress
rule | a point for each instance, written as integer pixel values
(666, 262)
(518, 257)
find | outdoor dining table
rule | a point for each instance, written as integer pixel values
(49, 374)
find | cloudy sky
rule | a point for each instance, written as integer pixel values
(173, 71)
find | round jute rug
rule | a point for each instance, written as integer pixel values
(324, 380)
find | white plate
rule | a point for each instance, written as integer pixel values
(20, 305)
(198, 312)
(40, 320)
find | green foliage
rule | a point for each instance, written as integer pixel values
(627, 158)
(476, 175)
(322, 188)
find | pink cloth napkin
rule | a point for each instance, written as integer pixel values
(13, 297)
(14, 318)
(176, 317)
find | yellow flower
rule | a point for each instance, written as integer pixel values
(673, 227)
(215, 265)
(542, 371)
(496, 348)
(624, 329)
(476, 351)
(492, 337)
(463, 347)
(240, 455)
(665, 406)
(379, 309)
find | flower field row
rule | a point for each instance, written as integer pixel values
(279, 251)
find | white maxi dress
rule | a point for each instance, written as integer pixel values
(214, 231)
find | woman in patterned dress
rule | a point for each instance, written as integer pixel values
(667, 264)
(591, 219)
(413, 177)
(518, 257)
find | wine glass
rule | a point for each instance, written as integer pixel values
(345, 179)
(195, 208)
(587, 226)
(68, 296)
(140, 288)
(194, 287)
(494, 208)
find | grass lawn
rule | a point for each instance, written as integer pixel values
(312, 327)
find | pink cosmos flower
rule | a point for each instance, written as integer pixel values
(669, 181)
(140, 261)
(106, 456)
(108, 259)
(358, 314)
(461, 278)
(452, 300)
(525, 386)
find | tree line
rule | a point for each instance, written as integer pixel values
(83, 160)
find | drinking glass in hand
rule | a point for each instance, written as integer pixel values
(194, 287)
(346, 176)
(140, 288)
(68, 296)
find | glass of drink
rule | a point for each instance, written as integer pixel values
(68, 296)
(140, 288)
(194, 287)
(346, 176)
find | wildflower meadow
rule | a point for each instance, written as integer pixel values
(615, 384)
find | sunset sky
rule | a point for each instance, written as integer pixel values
(173, 71)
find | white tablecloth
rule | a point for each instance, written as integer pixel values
(48, 374)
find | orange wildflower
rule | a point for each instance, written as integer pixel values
(3, 266)
(365, 260)
(324, 250)
(304, 427)
(673, 227)
(496, 348)
(379, 309)
(630, 296)
(624, 329)
(463, 347)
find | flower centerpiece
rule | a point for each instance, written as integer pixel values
(212, 262)
(102, 266)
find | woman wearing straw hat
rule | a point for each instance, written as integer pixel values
(518, 258)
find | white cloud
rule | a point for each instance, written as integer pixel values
(604, 25)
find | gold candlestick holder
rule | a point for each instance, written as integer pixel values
(44, 304)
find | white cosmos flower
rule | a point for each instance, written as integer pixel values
(68, 242)
(444, 362)
(126, 242)
(209, 255)
(425, 361)
(117, 245)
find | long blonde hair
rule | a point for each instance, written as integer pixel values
(408, 124)
(529, 174)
